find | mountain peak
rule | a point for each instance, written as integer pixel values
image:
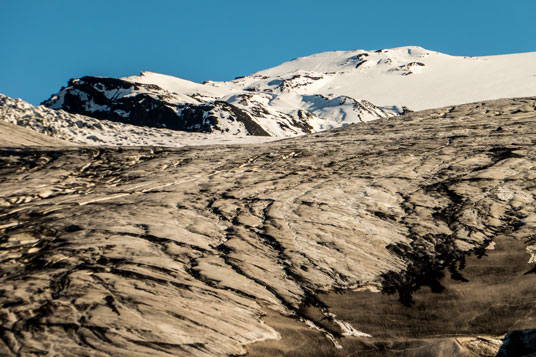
(304, 95)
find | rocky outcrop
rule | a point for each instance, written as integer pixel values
(148, 105)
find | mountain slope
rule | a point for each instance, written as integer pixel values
(15, 136)
(166, 252)
(414, 77)
(84, 130)
(308, 94)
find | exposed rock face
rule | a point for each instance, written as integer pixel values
(168, 252)
(112, 99)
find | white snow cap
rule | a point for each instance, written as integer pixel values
(405, 76)
(333, 89)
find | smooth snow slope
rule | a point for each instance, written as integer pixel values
(413, 76)
(12, 135)
(405, 76)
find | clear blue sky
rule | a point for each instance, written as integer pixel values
(45, 43)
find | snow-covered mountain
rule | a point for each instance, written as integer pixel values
(166, 102)
(304, 95)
